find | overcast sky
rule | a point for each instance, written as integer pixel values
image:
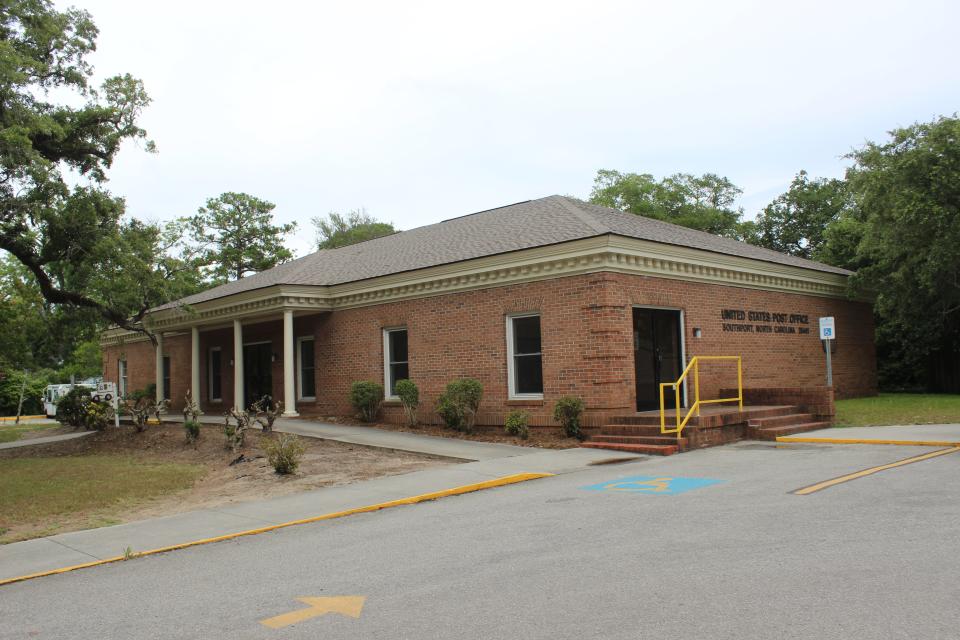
(421, 111)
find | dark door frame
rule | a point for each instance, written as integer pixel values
(247, 378)
(681, 325)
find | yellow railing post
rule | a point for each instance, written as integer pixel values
(696, 387)
(740, 382)
(676, 395)
(694, 364)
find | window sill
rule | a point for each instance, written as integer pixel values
(392, 402)
(525, 402)
(313, 399)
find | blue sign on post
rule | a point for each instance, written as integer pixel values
(657, 485)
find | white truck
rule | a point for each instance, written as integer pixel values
(53, 393)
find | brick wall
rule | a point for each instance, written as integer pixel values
(586, 326)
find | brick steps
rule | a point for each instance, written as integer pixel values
(640, 432)
(771, 433)
(657, 439)
(653, 419)
(649, 449)
(779, 421)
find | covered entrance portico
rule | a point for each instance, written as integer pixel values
(255, 350)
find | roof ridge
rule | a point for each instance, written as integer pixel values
(582, 215)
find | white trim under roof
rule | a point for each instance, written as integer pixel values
(614, 253)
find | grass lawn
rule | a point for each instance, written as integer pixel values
(10, 431)
(38, 491)
(899, 408)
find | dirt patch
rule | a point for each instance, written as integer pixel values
(225, 478)
(541, 437)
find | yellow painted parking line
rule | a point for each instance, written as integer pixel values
(907, 443)
(826, 484)
(468, 488)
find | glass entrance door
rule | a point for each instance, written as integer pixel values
(657, 355)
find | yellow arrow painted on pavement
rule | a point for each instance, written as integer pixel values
(344, 605)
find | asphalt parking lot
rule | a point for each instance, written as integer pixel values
(707, 544)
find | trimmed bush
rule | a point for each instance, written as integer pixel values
(366, 398)
(459, 404)
(409, 396)
(516, 424)
(70, 407)
(96, 415)
(567, 412)
(284, 452)
(192, 429)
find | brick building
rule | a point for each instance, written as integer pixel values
(536, 300)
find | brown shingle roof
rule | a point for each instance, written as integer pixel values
(524, 225)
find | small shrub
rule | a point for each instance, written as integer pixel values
(459, 404)
(96, 415)
(236, 434)
(70, 408)
(192, 429)
(284, 452)
(267, 412)
(191, 409)
(516, 424)
(366, 398)
(567, 412)
(139, 409)
(409, 396)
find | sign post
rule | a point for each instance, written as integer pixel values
(828, 332)
(107, 392)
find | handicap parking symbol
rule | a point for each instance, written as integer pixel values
(657, 485)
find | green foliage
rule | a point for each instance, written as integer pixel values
(567, 411)
(409, 396)
(357, 226)
(459, 403)
(11, 384)
(700, 202)
(905, 231)
(284, 451)
(55, 217)
(796, 221)
(517, 423)
(236, 236)
(70, 408)
(96, 415)
(366, 398)
(192, 430)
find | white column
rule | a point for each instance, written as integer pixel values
(195, 364)
(289, 375)
(159, 367)
(238, 365)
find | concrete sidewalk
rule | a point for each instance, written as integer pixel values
(44, 440)
(395, 440)
(945, 435)
(80, 547)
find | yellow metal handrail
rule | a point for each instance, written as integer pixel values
(695, 367)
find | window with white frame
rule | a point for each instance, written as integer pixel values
(306, 372)
(122, 378)
(215, 378)
(524, 359)
(396, 363)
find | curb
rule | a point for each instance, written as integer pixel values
(426, 497)
(906, 443)
(22, 418)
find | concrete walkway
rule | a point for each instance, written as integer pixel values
(44, 440)
(916, 434)
(79, 547)
(394, 440)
